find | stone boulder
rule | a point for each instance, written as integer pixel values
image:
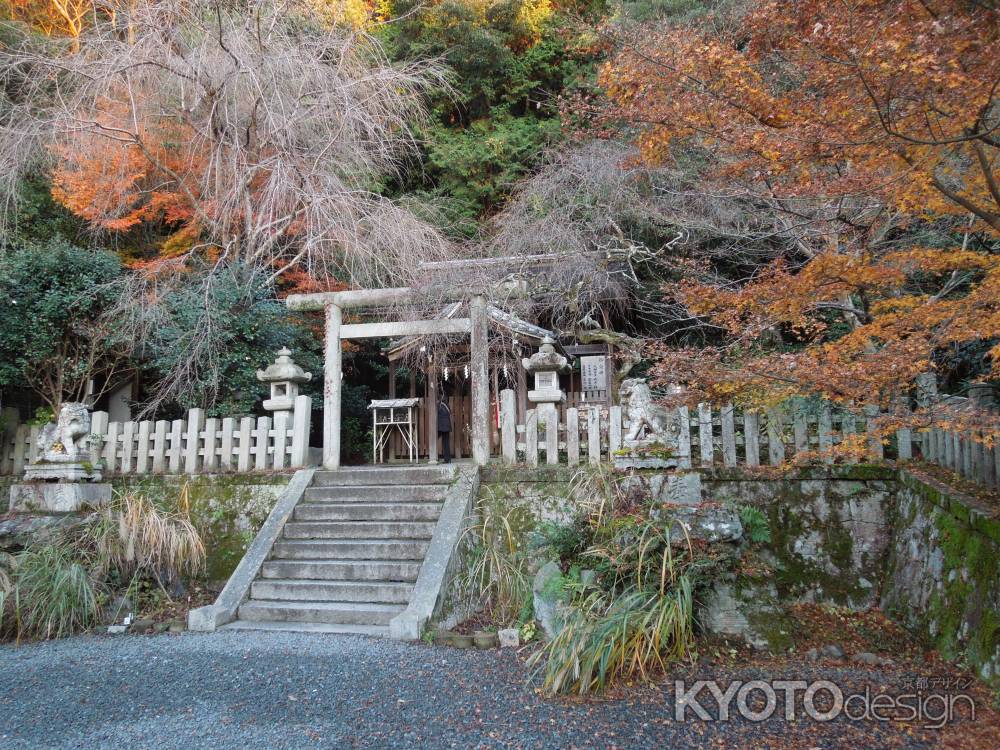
(713, 524)
(671, 487)
(751, 611)
(548, 598)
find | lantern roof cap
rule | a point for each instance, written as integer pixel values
(284, 369)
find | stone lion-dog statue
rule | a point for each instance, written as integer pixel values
(648, 422)
(65, 440)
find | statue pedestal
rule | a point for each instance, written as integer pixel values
(626, 461)
(59, 487)
(58, 497)
(68, 471)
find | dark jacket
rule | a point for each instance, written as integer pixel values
(444, 417)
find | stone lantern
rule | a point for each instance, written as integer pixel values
(284, 376)
(545, 365)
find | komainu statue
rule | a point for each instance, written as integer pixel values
(65, 440)
(648, 423)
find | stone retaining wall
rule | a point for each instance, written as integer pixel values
(226, 509)
(854, 536)
(943, 573)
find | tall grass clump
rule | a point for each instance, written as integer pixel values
(497, 574)
(133, 537)
(607, 637)
(637, 615)
(55, 589)
(51, 594)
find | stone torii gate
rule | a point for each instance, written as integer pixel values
(334, 303)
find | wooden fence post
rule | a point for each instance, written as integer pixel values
(98, 431)
(531, 437)
(824, 430)
(751, 437)
(614, 431)
(226, 444)
(301, 422)
(727, 418)
(262, 439)
(550, 419)
(195, 423)
(20, 447)
(127, 465)
(111, 448)
(684, 447)
(800, 428)
(243, 460)
(874, 441)
(594, 436)
(210, 454)
(280, 430)
(508, 426)
(160, 446)
(705, 444)
(775, 437)
(573, 436)
(176, 458)
(142, 447)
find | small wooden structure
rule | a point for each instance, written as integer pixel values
(447, 371)
(393, 418)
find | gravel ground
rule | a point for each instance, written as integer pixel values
(274, 690)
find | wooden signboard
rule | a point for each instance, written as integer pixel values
(593, 374)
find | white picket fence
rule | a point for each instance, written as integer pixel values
(727, 437)
(195, 445)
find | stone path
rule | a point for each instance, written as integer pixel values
(252, 690)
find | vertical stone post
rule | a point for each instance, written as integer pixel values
(480, 382)
(927, 396)
(432, 416)
(331, 388)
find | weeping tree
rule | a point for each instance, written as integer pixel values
(252, 133)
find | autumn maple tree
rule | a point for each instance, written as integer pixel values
(869, 133)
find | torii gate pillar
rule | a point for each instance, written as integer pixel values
(332, 376)
(479, 355)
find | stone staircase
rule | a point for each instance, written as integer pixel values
(347, 559)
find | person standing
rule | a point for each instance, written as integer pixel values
(444, 429)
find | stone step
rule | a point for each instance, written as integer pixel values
(342, 570)
(278, 589)
(330, 613)
(358, 530)
(390, 475)
(367, 512)
(376, 493)
(376, 631)
(319, 628)
(353, 549)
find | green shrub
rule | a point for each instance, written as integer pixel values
(52, 594)
(561, 540)
(755, 524)
(607, 637)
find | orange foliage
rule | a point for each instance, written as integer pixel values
(892, 103)
(117, 181)
(813, 98)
